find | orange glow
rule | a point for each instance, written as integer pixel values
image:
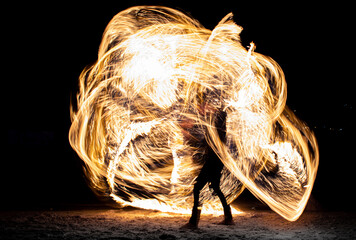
(154, 66)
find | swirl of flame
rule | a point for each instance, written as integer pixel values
(155, 65)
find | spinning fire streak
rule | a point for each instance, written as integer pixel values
(136, 105)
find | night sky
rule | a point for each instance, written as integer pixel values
(47, 46)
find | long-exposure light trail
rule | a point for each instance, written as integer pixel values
(136, 105)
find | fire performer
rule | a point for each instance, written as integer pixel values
(210, 173)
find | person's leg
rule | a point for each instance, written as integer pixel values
(196, 211)
(227, 209)
(196, 191)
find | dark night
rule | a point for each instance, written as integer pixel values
(120, 124)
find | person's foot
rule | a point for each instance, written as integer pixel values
(189, 226)
(227, 222)
(194, 219)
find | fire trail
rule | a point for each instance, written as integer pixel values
(156, 66)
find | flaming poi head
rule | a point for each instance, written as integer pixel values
(139, 116)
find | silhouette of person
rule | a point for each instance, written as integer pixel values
(211, 173)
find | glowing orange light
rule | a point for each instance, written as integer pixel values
(155, 64)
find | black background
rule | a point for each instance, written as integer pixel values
(46, 46)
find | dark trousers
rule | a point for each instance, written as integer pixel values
(210, 173)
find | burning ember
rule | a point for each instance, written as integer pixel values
(156, 68)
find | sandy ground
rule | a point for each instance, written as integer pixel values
(142, 224)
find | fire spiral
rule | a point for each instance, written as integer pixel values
(138, 103)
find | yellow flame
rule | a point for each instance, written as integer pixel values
(137, 103)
